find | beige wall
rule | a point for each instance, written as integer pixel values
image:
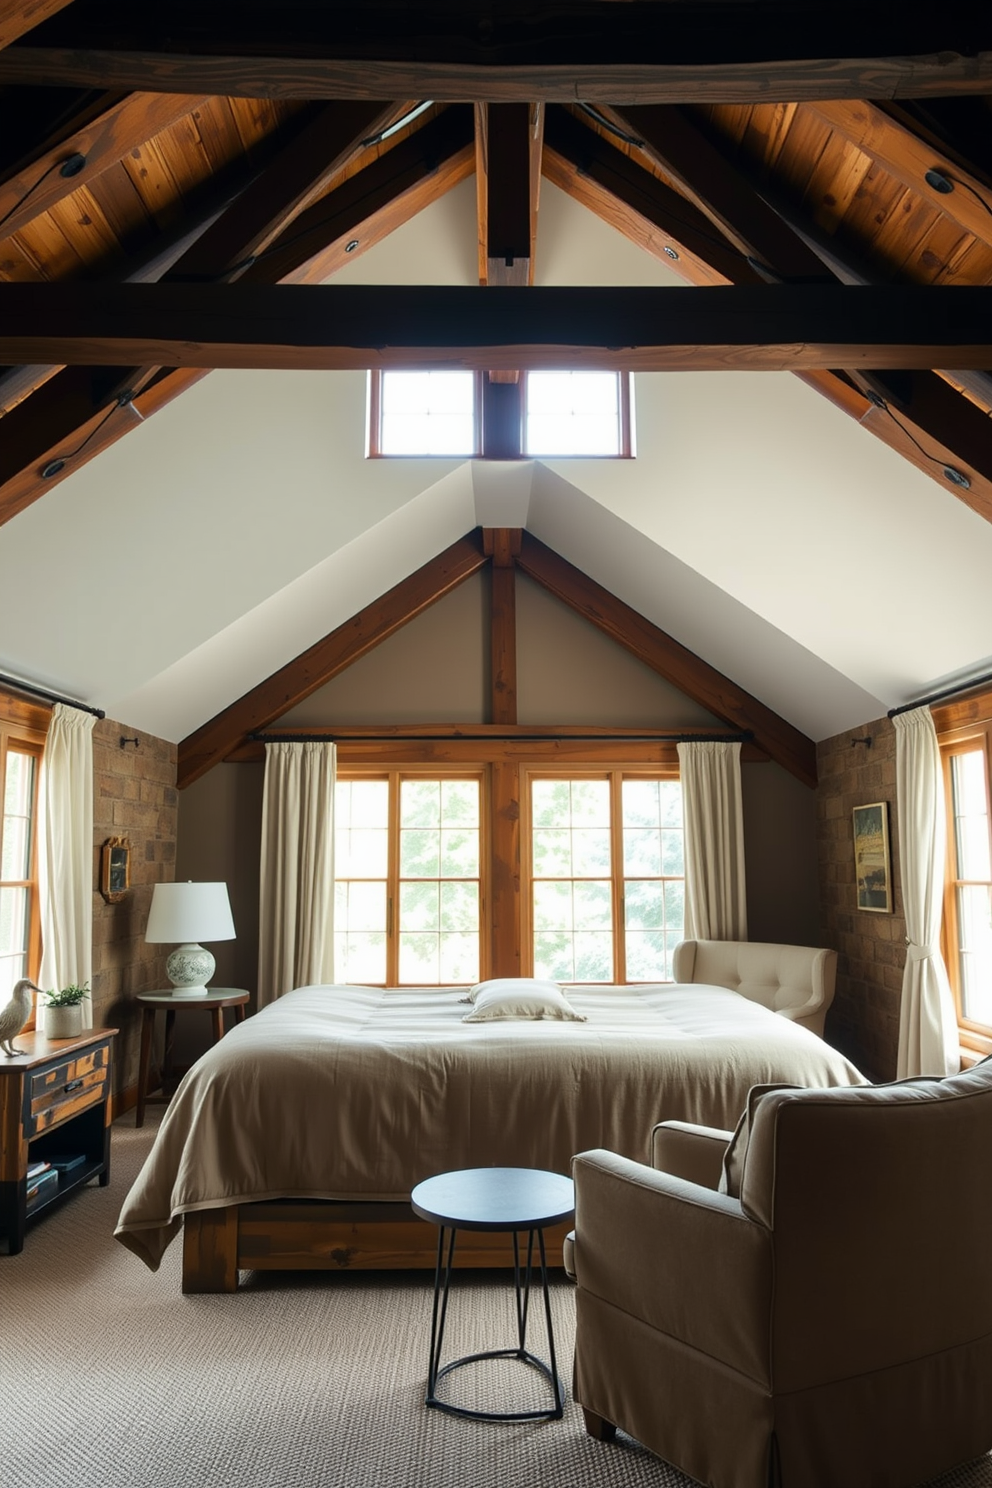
(436, 670)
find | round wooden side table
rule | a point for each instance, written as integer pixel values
(216, 1000)
(506, 1199)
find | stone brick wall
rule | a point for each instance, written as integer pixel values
(134, 796)
(864, 1019)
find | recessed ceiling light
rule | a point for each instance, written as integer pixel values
(672, 252)
(350, 247)
(939, 181)
(957, 477)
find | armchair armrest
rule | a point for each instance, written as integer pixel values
(685, 1260)
(686, 1150)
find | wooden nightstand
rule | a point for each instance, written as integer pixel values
(54, 1101)
(216, 1000)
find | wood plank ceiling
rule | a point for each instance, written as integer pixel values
(738, 141)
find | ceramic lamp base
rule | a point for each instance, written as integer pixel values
(189, 969)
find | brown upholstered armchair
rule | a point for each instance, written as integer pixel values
(827, 1323)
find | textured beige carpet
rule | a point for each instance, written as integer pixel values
(112, 1379)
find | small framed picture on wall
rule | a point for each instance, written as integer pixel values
(872, 864)
(115, 869)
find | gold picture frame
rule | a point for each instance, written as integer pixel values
(115, 869)
(872, 861)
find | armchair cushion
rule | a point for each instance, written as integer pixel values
(735, 1152)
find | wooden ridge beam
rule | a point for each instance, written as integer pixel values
(504, 162)
(670, 659)
(762, 328)
(370, 204)
(328, 657)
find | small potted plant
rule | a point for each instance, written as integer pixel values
(62, 1014)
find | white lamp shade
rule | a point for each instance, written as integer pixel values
(188, 912)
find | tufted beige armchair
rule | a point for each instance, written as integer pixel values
(796, 981)
(826, 1322)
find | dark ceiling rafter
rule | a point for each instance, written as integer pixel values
(21, 16)
(936, 427)
(760, 328)
(505, 174)
(328, 657)
(644, 209)
(642, 51)
(364, 209)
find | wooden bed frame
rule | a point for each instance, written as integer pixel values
(323, 1235)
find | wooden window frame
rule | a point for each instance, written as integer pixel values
(24, 727)
(395, 775)
(373, 433)
(954, 741)
(500, 413)
(616, 773)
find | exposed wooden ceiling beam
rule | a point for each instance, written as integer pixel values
(125, 123)
(669, 658)
(503, 157)
(936, 428)
(19, 16)
(646, 211)
(908, 159)
(505, 50)
(763, 328)
(307, 165)
(363, 210)
(325, 660)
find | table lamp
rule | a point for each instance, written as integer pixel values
(188, 913)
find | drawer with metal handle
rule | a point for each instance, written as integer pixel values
(58, 1093)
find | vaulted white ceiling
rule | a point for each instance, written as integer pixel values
(758, 525)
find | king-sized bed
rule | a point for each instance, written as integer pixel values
(295, 1141)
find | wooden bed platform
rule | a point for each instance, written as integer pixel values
(311, 1235)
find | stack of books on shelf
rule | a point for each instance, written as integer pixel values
(43, 1181)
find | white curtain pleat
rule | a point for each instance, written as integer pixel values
(928, 1033)
(65, 853)
(713, 824)
(296, 893)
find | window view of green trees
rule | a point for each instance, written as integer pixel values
(436, 890)
(573, 836)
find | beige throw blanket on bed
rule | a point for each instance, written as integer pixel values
(350, 1092)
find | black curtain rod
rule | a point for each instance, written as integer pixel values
(726, 738)
(938, 697)
(16, 685)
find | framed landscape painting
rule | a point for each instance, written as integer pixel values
(872, 867)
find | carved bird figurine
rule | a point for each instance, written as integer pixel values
(14, 1016)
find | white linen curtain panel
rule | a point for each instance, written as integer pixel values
(928, 1034)
(713, 823)
(65, 856)
(296, 892)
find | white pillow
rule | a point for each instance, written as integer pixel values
(510, 984)
(520, 998)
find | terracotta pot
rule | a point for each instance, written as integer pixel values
(63, 1022)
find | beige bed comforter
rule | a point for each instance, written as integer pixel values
(358, 1093)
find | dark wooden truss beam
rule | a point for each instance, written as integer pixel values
(507, 171)
(764, 328)
(514, 50)
(935, 427)
(669, 658)
(325, 660)
(73, 417)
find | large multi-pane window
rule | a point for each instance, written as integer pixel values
(968, 893)
(408, 879)
(607, 877)
(440, 413)
(20, 937)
